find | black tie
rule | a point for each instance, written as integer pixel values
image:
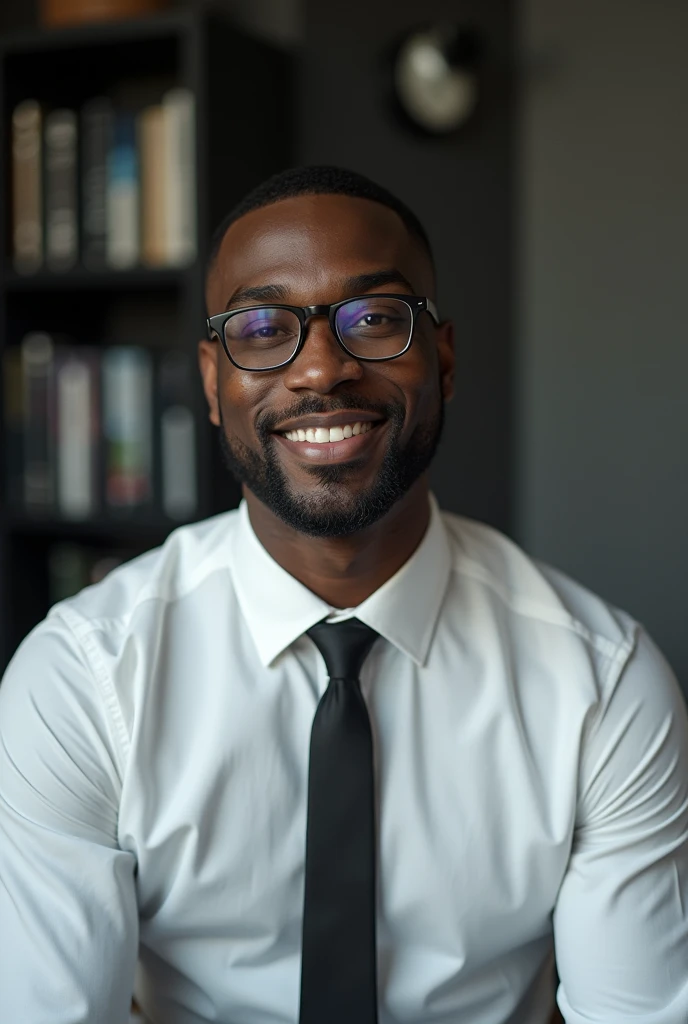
(338, 967)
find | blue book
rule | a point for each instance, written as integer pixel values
(123, 243)
(127, 390)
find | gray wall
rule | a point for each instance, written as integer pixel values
(602, 402)
(461, 187)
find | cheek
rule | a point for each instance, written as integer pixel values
(240, 396)
(418, 385)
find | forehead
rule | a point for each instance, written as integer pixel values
(311, 244)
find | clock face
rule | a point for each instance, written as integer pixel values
(435, 94)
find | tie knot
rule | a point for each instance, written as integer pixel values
(343, 645)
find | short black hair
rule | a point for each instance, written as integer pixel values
(318, 180)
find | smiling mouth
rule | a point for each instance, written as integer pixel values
(340, 443)
(328, 435)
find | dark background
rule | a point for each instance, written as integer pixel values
(560, 224)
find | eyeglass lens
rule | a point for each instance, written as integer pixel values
(374, 327)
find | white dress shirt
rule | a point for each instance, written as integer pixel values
(532, 770)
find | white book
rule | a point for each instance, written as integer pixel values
(179, 116)
(76, 483)
(178, 476)
(179, 496)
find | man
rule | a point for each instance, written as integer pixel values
(338, 756)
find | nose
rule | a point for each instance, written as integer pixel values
(322, 364)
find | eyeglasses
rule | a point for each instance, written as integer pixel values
(368, 327)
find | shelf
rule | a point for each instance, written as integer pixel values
(118, 530)
(81, 279)
(99, 33)
(201, 49)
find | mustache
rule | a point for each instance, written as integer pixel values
(314, 405)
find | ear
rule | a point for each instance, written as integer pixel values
(207, 362)
(444, 335)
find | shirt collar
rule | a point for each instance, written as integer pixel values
(278, 609)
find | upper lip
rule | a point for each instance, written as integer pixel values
(334, 419)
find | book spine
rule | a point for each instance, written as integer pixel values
(77, 433)
(61, 189)
(123, 208)
(180, 169)
(178, 476)
(150, 130)
(37, 368)
(178, 462)
(13, 390)
(96, 135)
(127, 427)
(27, 182)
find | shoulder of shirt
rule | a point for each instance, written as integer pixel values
(481, 554)
(531, 589)
(190, 554)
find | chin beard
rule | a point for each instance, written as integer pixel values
(332, 509)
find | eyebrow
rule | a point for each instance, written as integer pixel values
(354, 285)
(377, 279)
(264, 293)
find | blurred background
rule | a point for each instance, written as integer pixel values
(544, 146)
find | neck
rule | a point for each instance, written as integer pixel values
(344, 571)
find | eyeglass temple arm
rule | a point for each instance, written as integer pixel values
(432, 310)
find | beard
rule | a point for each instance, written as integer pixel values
(332, 509)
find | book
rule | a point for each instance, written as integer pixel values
(154, 173)
(77, 433)
(178, 476)
(90, 431)
(27, 187)
(61, 233)
(123, 213)
(37, 359)
(127, 426)
(96, 138)
(179, 113)
(13, 402)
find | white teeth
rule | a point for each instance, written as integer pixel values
(323, 435)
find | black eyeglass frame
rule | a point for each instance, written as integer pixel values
(416, 303)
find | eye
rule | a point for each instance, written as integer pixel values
(264, 325)
(374, 318)
(261, 330)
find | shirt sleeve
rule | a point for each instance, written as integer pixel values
(68, 914)
(621, 919)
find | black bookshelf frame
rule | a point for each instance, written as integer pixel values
(218, 62)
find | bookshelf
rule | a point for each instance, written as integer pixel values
(242, 102)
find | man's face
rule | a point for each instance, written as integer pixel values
(306, 251)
